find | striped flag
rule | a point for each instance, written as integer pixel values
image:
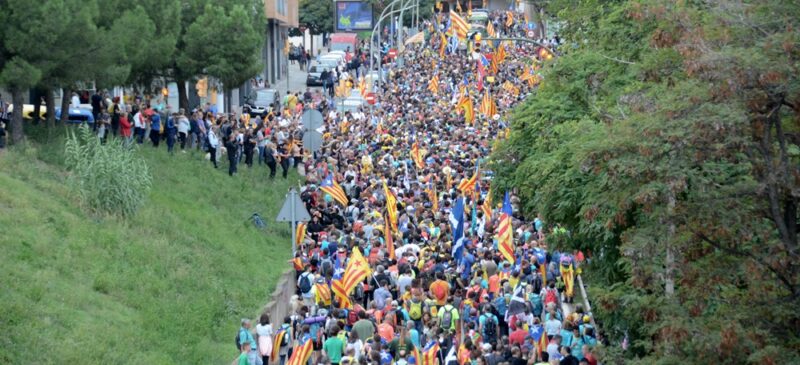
(330, 186)
(539, 338)
(323, 293)
(301, 232)
(509, 18)
(442, 45)
(469, 110)
(277, 341)
(416, 155)
(357, 269)
(433, 196)
(391, 208)
(505, 238)
(468, 185)
(460, 26)
(387, 234)
(490, 29)
(500, 53)
(488, 107)
(487, 206)
(430, 355)
(301, 355)
(297, 263)
(433, 85)
(493, 68)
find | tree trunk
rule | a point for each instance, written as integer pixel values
(65, 101)
(50, 103)
(183, 98)
(17, 134)
(37, 105)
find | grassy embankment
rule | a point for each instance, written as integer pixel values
(168, 285)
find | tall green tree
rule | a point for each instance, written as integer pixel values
(232, 60)
(673, 157)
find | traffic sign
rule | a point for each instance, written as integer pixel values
(312, 119)
(392, 53)
(312, 139)
(293, 206)
(370, 98)
(530, 34)
(294, 211)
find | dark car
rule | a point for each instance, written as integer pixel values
(314, 75)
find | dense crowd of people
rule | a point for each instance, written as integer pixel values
(403, 261)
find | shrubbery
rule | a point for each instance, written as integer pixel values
(109, 177)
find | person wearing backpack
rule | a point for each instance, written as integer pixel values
(305, 283)
(489, 325)
(415, 309)
(448, 316)
(245, 340)
(551, 294)
(286, 343)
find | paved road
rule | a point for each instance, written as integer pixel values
(297, 81)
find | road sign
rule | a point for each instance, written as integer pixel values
(392, 53)
(312, 139)
(312, 119)
(294, 211)
(293, 207)
(370, 98)
(530, 34)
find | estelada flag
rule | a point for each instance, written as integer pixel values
(430, 356)
(460, 26)
(301, 355)
(277, 343)
(330, 186)
(505, 237)
(300, 233)
(416, 155)
(433, 85)
(387, 234)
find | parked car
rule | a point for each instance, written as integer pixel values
(261, 101)
(81, 114)
(314, 75)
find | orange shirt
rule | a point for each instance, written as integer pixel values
(440, 290)
(494, 284)
(386, 331)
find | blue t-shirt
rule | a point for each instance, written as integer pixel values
(155, 122)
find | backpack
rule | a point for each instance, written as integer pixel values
(285, 340)
(537, 283)
(536, 304)
(305, 283)
(490, 328)
(326, 266)
(238, 344)
(358, 293)
(415, 310)
(550, 296)
(447, 317)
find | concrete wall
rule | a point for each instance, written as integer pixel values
(281, 298)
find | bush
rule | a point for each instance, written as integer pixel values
(108, 177)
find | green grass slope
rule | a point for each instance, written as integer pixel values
(167, 286)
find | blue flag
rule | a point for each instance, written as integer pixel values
(457, 222)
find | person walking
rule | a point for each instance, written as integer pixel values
(171, 131)
(184, 126)
(213, 144)
(232, 147)
(125, 128)
(264, 333)
(155, 128)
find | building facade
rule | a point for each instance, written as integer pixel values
(281, 15)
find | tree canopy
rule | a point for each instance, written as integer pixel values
(666, 140)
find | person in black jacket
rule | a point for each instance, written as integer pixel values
(232, 148)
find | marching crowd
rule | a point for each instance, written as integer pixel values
(408, 258)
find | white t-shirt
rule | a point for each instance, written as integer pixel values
(264, 330)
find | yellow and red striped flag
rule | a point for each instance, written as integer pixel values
(490, 29)
(509, 18)
(488, 107)
(330, 186)
(277, 340)
(391, 208)
(416, 155)
(433, 196)
(442, 45)
(323, 293)
(301, 232)
(468, 185)
(388, 237)
(505, 235)
(430, 356)
(301, 355)
(460, 25)
(500, 53)
(487, 206)
(357, 270)
(469, 110)
(433, 85)
(493, 68)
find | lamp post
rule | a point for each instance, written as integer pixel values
(391, 11)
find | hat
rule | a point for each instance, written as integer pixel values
(586, 319)
(394, 303)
